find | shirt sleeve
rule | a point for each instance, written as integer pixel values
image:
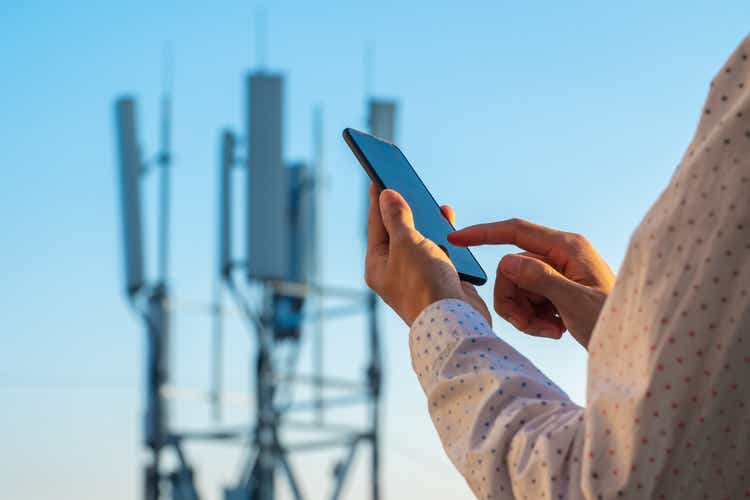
(506, 427)
(668, 385)
(667, 413)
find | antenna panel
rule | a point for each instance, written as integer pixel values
(225, 203)
(267, 195)
(129, 168)
(302, 219)
(382, 119)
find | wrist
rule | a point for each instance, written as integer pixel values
(430, 295)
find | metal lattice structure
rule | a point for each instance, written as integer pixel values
(277, 288)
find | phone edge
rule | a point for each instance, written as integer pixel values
(372, 174)
(362, 159)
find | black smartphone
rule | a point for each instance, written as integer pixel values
(389, 169)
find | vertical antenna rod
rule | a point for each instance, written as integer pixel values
(369, 76)
(260, 38)
(369, 63)
(165, 162)
(316, 260)
(227, 162)
(217, 350)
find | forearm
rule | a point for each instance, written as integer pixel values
(504, 425)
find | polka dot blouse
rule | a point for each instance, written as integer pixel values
(669, 359)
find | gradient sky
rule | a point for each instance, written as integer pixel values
(570, 116)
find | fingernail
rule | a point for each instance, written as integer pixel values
(511, 266)
(389, 195)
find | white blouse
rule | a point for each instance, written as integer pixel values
(667, 412)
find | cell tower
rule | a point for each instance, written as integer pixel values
(149, 297)
(276, 284)
(284, 265)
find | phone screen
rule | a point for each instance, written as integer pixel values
(390, 169)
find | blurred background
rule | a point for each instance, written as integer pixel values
(572, 116)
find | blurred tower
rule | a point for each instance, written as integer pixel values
(282, 263)
(149, 296)
(381, 121)
(276, 284)
(381, 118)
(268, 197)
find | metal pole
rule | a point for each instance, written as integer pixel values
(265, 429)
(260, 38)
(165, 161)
(287, 467)
(151, 479)
(317, 271)
(218, 341)
(157, 324)
(224, 260)
(156, 420)
(369, 64)
(374, 375)
(342, 469)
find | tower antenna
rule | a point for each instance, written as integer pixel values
(261, 36)
(165, 158)
(369, 63)
(318, 178)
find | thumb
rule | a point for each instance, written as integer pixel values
(397, 217)
(539, 277)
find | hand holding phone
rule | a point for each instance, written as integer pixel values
(407, 270)
(389, 169)
(409, 262)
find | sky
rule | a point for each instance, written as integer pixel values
(568, 115)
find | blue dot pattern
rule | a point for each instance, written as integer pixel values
(667, 412)
(499, 418)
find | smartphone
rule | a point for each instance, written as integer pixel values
(389, 169)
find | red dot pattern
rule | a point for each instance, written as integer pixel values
(669, 359)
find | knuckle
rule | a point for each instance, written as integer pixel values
(414, 237)
(396, 236)
(424, 244)
(533, 273)
(579, 238)
(576, 240)
(400, 240)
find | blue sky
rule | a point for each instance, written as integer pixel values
(573, 116)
